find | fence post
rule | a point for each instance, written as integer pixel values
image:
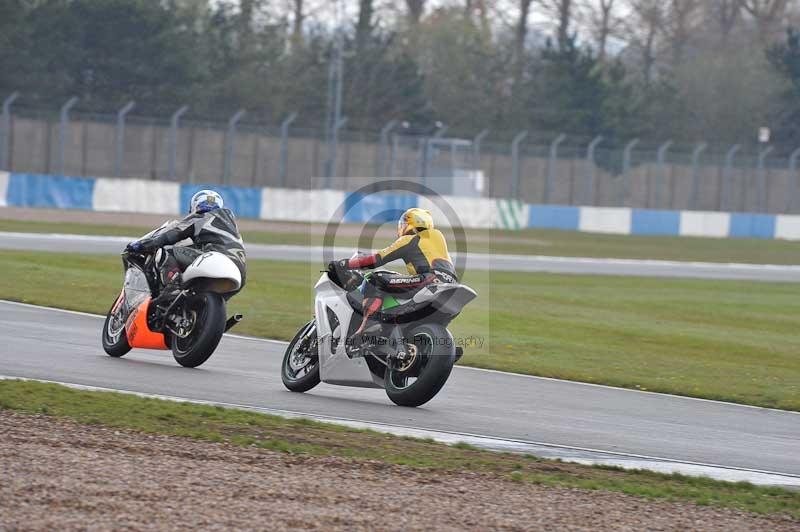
(476, 149)
(626, 171)
(5, 131)
(62, 132)
(172, 152)
(515, 173)
(662, 153)
(426, 151)
(551, 167)
(120, 137)
(229, 138)
(762, 179)
(698, 151)
(790, 201)
(726, 176)
(332, 151)
(393, 156)
(284, 158)
(588, 185)
(380, 166)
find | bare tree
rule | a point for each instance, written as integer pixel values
(477, 13)
(767, 14)
(680, 18)
(563, 11)
(602, 23)
(415, 10)
(725, 14)
(564, 20)
(246, 8)
(644, 26)
(520, 35)
(298, 16)
(364, 24)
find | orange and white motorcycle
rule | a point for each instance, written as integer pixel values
(190, 322)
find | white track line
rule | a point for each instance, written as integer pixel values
(491, 443)
(467, 368)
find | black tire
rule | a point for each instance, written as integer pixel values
(117, 345)
(195, 349)
(436, 355)
(291, 378)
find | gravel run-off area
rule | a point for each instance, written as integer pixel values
(60, 475)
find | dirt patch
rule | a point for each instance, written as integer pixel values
(60, 475)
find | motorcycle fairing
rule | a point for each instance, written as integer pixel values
(218, 272)
(449, 299)
(137, 331)
(335, 367)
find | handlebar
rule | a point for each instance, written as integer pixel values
(141, 259)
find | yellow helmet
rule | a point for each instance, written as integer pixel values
(414, 220)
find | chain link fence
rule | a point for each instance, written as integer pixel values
(540, 169)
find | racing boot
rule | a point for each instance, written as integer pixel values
(369, 306)
(172, 286)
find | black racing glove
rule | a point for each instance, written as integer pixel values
(135, 247)
(336, 265)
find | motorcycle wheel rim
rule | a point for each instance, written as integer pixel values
(304, 363)
(186, 343)
(116, 324)
(403, 380)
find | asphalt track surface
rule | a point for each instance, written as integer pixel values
(477, 261)
(574, 421)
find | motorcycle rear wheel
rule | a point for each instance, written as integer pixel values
(209, 315)
(422, 380)
(296, 377)
(116, 345)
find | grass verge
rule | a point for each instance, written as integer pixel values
(274, 433)
(733, 341)
(526, 242)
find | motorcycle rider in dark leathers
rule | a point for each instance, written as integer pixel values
(209, 226)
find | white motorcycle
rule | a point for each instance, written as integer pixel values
(190, 323)
(406, 348)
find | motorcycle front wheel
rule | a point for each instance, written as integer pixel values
(115, 340)
(206, 313)
(419, 378)
(300, 367)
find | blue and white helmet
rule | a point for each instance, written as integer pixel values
(204, 201)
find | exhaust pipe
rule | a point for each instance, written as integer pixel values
(233, 320)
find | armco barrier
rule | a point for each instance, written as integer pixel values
(34, 190)
(136, 195)
(3, 188)
(744, 225)
(554, 217)
(469, 212)
(510, 214)
(322, 206)
(297, 205)
(644, 222)
(377, 208)
(787, 227)
(705, 224)
(605, 220)
(245, 202)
